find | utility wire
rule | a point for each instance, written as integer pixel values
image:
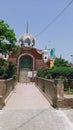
(55, 18)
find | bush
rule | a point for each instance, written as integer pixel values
(3, 66)
(7, 70)
(56, 72)
(10, 71)
(42, 72)
(3, 63)
(2, 70)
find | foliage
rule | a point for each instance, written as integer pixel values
(56, 72)
(7, 38)
(42, 72)
(7, 70)
(10, 71)
(1, 71)
(68, 91)
(60, 70)
(60, 62)
(3, 66)
(3, 63)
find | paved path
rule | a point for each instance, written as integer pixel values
(26, 96)
(27, 109)
(45, 119)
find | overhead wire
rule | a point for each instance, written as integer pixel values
(54, 19)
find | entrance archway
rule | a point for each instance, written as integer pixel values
(26, 62)
(26, 66)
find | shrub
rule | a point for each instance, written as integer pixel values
(56, 72)
(7, 70)
(3, 66)
(3, 63)
(2, 70)
(10, 71)
(42, 72)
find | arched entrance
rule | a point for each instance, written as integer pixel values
(26, 67)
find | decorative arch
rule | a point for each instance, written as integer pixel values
(18, 62)
(27, 55)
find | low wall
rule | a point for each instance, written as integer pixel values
(6, 86)
(53, 90)
(68, 83)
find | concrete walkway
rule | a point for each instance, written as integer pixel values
(26, 96)
(27, 109)
(45, 119)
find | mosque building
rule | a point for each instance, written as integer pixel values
(28, 58)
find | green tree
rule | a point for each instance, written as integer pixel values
(60, 62)
(7, 38)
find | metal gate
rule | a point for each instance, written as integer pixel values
(26, 65)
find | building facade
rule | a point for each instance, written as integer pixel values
(28, 58)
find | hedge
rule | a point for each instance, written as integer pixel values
(56, 72)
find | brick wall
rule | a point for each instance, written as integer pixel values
(34, 52)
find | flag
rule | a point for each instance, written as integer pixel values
(52, 53)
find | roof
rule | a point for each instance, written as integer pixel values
(39, 51)
(26, 39)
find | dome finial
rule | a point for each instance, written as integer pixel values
(45, 47)
(27, 28)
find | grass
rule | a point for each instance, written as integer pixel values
(68, 91)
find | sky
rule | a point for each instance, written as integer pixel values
(38, 14)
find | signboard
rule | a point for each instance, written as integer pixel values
(30, 74)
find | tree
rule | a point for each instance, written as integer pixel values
(60, 62)
(7, 38)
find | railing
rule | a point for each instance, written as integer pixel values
(6, 86)
(53, 90)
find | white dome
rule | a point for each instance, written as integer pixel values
(26, 39)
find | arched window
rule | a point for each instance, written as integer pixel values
(27, 41)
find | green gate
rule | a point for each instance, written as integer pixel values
(26, 62)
